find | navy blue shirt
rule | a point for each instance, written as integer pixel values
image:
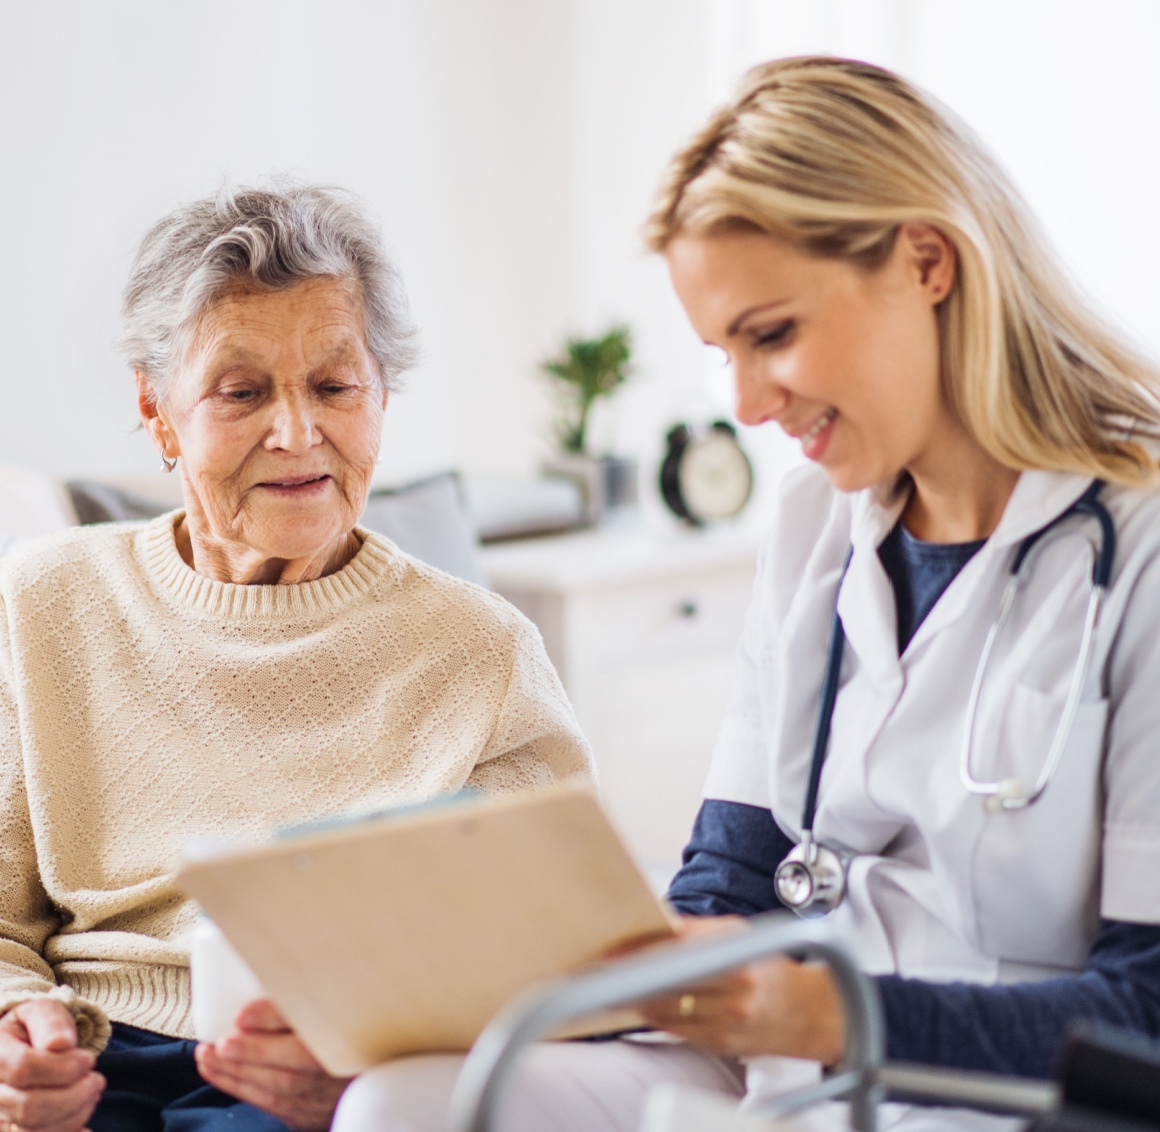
(920, 572)
(1016, 1028)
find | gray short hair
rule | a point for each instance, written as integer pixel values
(264, 239)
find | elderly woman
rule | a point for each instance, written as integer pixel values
(250, 661)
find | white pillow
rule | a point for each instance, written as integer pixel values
(32, 504)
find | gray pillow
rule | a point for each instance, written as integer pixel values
(429, 519)
(100, 503)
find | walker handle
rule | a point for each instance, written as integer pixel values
(543, 1009)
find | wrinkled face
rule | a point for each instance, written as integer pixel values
(844, 359)
(276, 416)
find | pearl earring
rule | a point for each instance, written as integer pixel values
(167, 466)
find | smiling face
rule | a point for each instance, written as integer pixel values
(275, 415)
(844, 358)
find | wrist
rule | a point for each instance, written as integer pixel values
(827, 1039)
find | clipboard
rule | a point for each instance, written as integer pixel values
(406, 933)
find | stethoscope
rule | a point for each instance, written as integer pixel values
(811, 881)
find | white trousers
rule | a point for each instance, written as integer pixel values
(602, 1087)
(556, 1087)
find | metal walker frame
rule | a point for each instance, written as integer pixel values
(863, 1077)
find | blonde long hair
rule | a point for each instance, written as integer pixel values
(834, 155)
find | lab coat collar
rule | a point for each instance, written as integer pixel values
(866, 603)
(1038, 498)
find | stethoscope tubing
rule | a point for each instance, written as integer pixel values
(1004, 795)
(1009, 794)
(830, 680)
(811, 880)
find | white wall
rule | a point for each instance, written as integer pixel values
(510, 148)
(1065, 93)
(112, 113)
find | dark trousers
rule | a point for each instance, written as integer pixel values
(154, 1086)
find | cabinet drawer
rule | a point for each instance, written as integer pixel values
(675, 615)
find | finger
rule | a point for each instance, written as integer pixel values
(269, 1073)
(283, 1051)
(705, 1009)
(24, 1067)
(706, 996)
(638, 943)
(689, 927)
(280, 1052)
(49, 1025)
(67, 1108)
(266, 1099)
(261, 1015)
(257, 1084)
(311, 1103)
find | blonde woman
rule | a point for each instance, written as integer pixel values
(990, 830)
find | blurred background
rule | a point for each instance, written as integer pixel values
(510, 149)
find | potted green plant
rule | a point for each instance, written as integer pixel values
(585, 371)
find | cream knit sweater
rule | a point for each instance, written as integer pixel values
(143, 705)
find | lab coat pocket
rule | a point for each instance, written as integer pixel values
(1036, 871)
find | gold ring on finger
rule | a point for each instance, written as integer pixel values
(687, 1005)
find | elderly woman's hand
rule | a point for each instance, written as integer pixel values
(773, 1006)
(264, 1063)
(46, 1082)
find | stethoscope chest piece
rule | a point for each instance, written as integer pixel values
(811, 880)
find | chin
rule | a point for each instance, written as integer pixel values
(849, 478)
(847, 481)
(296, 540)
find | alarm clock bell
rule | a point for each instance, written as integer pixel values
(706, 475)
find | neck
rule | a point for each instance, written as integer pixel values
(226, 561)
(960, 492)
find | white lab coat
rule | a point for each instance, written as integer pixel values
(941, 889)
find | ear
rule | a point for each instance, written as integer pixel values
(153, 417)
(932, 259)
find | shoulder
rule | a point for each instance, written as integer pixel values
(809, 530)
(79, 554)
(439, 604)
(1136, 512)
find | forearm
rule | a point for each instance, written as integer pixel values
(27, 917)
(728, 865)
(1020, 1028)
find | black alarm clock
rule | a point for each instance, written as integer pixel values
(705, 474)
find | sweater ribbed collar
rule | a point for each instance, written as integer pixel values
(170, 573)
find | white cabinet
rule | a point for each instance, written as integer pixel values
(643, 627)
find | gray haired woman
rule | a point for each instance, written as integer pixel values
(251, 661)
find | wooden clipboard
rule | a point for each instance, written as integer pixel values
(406, 934)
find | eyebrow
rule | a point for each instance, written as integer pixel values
(736, 324)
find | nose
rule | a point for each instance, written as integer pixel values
(758, 397)
(293, 428)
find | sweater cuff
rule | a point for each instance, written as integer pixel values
(93, 1026)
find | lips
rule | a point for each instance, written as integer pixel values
(295, 481)
(811, 432)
